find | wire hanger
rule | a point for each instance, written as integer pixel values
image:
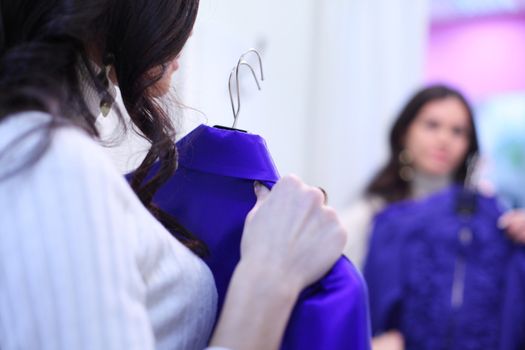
(235, 72)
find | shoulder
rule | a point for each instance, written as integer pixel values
(73, 165)
(72, 193)
(68, 150)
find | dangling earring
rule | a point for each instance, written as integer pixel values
(106, 99)
(406, 172)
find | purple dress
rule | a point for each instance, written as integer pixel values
(441, 272)
(211, 193)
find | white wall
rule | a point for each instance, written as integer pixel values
(370, 59)
(336, 72)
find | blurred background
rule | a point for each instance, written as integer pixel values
(338, 71)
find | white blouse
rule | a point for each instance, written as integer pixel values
(358, 219)
(83, 265)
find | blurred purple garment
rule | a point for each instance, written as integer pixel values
(440, 271)
(211, 193)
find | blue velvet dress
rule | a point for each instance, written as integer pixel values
(440, 271)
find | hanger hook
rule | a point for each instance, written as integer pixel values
(254, 51)
(235, 71)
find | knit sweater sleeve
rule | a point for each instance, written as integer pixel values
(69, 276)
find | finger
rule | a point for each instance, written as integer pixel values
(516, 228)
(261, 191)
(326, 227)
(511, 216)
(334, 222)
(315, 197)
(504, 220)
(288, 183)
(512, 221)
(516, 234)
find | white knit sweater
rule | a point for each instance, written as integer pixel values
(83, 265)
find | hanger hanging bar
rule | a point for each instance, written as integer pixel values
(235, 72)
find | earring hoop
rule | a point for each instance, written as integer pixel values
(406, 172)
(106, 99)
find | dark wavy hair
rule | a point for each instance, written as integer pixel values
(388, 183)
(44, 43)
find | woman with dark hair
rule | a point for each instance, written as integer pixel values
(431, 142)
(433, 137)
(88, 262)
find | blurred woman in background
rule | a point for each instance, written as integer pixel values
(431, 142)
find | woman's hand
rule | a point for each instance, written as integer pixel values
(291, 239)
(514, 223)
(291, 232)
(391, 340)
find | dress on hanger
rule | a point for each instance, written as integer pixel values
(211, 194)
(444, 277)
